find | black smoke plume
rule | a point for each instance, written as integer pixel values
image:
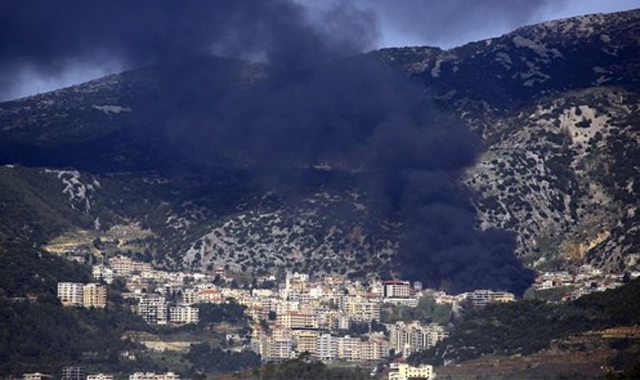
(313, 101)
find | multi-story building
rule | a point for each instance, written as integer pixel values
(305, 341)
(278, 349)
(167, 376)
(362, 309)
(406, 338)
(396, 289)
(183, 314)
(190, 296)
(154, 376)
(73, 373)
(277, 346)
(326, 347)
(482, 297)
(296, 281)
(211, 296)
(102, 272)
(153, 309)
(286, 306)
(71, 293)
(94, 295)
(348, 348)
(124, 266)
(404, 371)
(297, 320)
(142, 376)
(374, 348)
(100, 376)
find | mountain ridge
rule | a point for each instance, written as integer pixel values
(559, 137)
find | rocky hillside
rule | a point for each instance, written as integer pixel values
(556, 105)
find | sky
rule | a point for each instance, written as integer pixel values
(28, 66)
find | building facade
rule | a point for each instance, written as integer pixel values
(71, 293)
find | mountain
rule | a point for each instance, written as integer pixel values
(128, 162)
(556, 104)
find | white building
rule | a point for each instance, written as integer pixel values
(153, 376)
(100, 376)
(101, 272)
(153, 309)
(183, 314)
(403, 371)
(124, 266)
(396, 289)
(36, 376)
(71, 293)
(482, 297)
(408, 338)
(326, 347)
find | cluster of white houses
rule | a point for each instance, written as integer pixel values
(79, 373)
(297, 316)
(584, 280)
(315, 318)
(397, 371)
(323, 318)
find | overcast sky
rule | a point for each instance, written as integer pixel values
(452, 23)
(444, 23)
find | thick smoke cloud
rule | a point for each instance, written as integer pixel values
(358, 116)
(313, 102)
(51, 37)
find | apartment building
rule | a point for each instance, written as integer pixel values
(124, 266)
(362, 309)
(102, 272)
(153, 309)
(297, 320)
(94, 295)
(183, 314)
(36, 376)
(396, 289)
(355, 349)
(154, 376)
(100, 376)
(326, 347)
(211, 296)
(305, 341)
(73, 373)
(404, 371)
(483, 297)
(407, 338)
(71, 293)
(278, 349)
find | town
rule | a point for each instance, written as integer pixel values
(327, 318)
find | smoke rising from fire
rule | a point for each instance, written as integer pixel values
(315, 101)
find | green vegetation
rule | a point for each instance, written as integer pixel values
(553, 295)
(428, 311)
(25, 270)
(231, 312)
(33, 207)
(301, 369)
(528, 326)
(215, 360)
(44, 336)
